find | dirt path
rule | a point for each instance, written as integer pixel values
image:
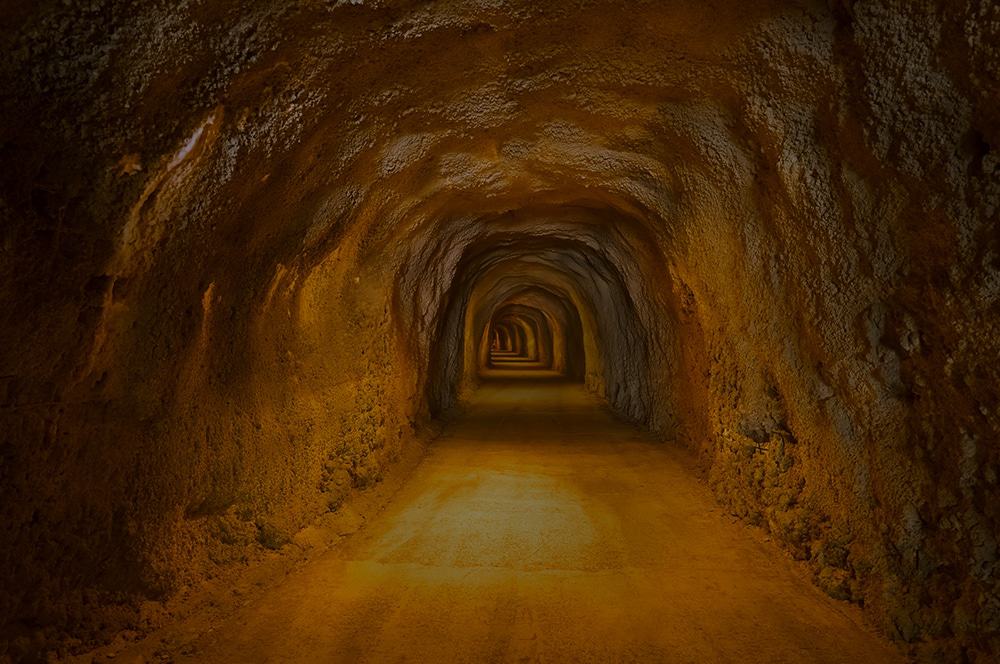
(539, 528)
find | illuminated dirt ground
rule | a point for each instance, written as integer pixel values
(541, 528)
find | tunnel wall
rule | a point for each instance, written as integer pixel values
(219, 318)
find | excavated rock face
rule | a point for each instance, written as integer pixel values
(249, 249)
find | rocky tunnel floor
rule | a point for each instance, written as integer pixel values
(539, 527)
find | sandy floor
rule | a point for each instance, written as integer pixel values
(539, 528)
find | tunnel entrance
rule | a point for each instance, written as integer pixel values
(520, 338)
(532, 333)
(554, 287)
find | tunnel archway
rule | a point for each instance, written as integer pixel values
(580, 256)
(558, 326)
(536, 349)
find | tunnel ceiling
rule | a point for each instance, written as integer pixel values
(257, 241)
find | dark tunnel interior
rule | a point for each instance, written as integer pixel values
(374, 330)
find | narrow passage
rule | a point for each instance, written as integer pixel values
(540, 528)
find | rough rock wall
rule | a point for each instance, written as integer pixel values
(239, 243)
(854, 402)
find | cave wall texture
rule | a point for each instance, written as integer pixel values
(242, 245)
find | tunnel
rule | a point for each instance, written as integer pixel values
(419, 330)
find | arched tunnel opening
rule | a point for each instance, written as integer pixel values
(378, 330)
(551, 330)
(531, 339)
